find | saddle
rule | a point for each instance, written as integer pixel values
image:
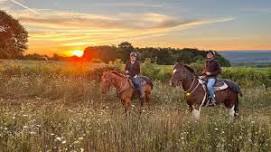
(143, 80)
(219, 85)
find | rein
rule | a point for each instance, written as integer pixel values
(191, 90)
(120, 90)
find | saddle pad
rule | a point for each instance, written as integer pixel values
(221, 87)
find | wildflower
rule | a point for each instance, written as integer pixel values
(32, 133)
(58, 138)
(80, 138)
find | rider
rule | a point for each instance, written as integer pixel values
(212, 70)
(132, 69)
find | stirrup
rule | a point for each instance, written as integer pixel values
(211, 102)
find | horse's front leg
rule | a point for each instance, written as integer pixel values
(127, 105)
(195, 112)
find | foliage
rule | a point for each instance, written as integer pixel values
(35, 56)
(13, 37)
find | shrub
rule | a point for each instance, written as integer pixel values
(246, 76)
(150, 69)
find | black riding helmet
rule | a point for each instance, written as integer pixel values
(212, 52)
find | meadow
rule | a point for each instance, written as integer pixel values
(57, 106)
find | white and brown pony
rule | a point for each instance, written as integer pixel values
(196, 92)
(125, 89)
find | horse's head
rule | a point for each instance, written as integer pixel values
(106, 81)
(181, 72)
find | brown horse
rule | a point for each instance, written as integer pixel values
(125, 89)
(196, 92)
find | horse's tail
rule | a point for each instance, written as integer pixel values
(234, 87)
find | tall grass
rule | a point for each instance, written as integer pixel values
(58, 107)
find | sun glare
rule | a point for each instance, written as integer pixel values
(78, 53)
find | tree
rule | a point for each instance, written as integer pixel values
(13, 37)
(124, 50)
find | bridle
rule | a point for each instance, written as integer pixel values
(120, 90)
(191, 90)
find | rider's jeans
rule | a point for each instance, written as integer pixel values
(210, 86)
(137, 82)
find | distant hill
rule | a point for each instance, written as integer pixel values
(256, 58)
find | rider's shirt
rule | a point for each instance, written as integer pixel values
(133, 69)
(212, 68)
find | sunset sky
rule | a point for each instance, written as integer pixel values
(61, 26)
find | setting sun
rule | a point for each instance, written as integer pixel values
(78, 53)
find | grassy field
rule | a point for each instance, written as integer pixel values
(57, 106)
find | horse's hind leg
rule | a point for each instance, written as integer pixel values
(231, 111)
(141, 100)
(147, 99)
(147, 96)
(236, 107)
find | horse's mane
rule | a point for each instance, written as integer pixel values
(189, 69)
(180, 65)
(118, 73)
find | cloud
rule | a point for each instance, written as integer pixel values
(58, 19)
(146, 21)
(69, 29)
(130, 4)
(24, 6)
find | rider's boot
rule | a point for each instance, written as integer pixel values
(212, 101)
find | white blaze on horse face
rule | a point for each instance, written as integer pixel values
(174, 71)
(196, 114)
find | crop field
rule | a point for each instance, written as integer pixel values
(57, 106)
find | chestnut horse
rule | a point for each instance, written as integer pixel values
(125, 89)
(196, 91)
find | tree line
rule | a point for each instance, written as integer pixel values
(162, 56)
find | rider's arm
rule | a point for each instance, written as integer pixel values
(127, 68)
(137, 68)
(218, 68)
(204, 70)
